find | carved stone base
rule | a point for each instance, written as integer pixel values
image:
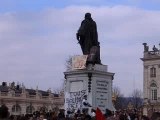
(95, 82)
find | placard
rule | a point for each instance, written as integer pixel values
(79, 62)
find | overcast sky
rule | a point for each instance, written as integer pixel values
(37, 36)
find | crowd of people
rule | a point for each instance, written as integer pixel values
(78, 115)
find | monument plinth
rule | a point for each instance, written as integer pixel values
(88, 83)
(95, 82)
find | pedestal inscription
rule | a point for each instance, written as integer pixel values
(101, 94)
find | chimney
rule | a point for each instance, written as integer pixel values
(4, 84)
(17, 87)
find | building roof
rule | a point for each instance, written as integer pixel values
(153, 54)
(31, 91)
(44, 93)
(18, 89)
(56, 95)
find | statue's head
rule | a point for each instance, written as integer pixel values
(88, 15)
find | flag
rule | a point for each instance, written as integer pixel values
(99, 115)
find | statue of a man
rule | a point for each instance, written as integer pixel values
(87, 37)
(87, 34)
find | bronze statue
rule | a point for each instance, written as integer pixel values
(87, 37)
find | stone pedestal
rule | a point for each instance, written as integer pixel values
(95, 81)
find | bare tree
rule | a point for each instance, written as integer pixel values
(116, 91)
(119, 99)
(136, 97)
(68, 63)
(60, 89)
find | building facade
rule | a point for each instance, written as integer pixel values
(151, 79)
(20, 100)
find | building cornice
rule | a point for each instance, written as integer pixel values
(150, 58)
(85, 72)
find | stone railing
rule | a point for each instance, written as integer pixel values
(17, 95)
(4, 93)
(31, 96)
(45, 97)
(154, 52)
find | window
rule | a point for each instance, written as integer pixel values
(154, 94)
(153, 85)
(16, 108)
(30, 109)
(153, 91)
(153, 72)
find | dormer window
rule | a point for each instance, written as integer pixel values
(153, 72)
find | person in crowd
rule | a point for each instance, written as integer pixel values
(144, 117)
(85, 103)
(108, 114)
(155, 116)
(93, 114)
(123, 115)
(85, 115)
(42, 116)
(61, 115)
(116, 115)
